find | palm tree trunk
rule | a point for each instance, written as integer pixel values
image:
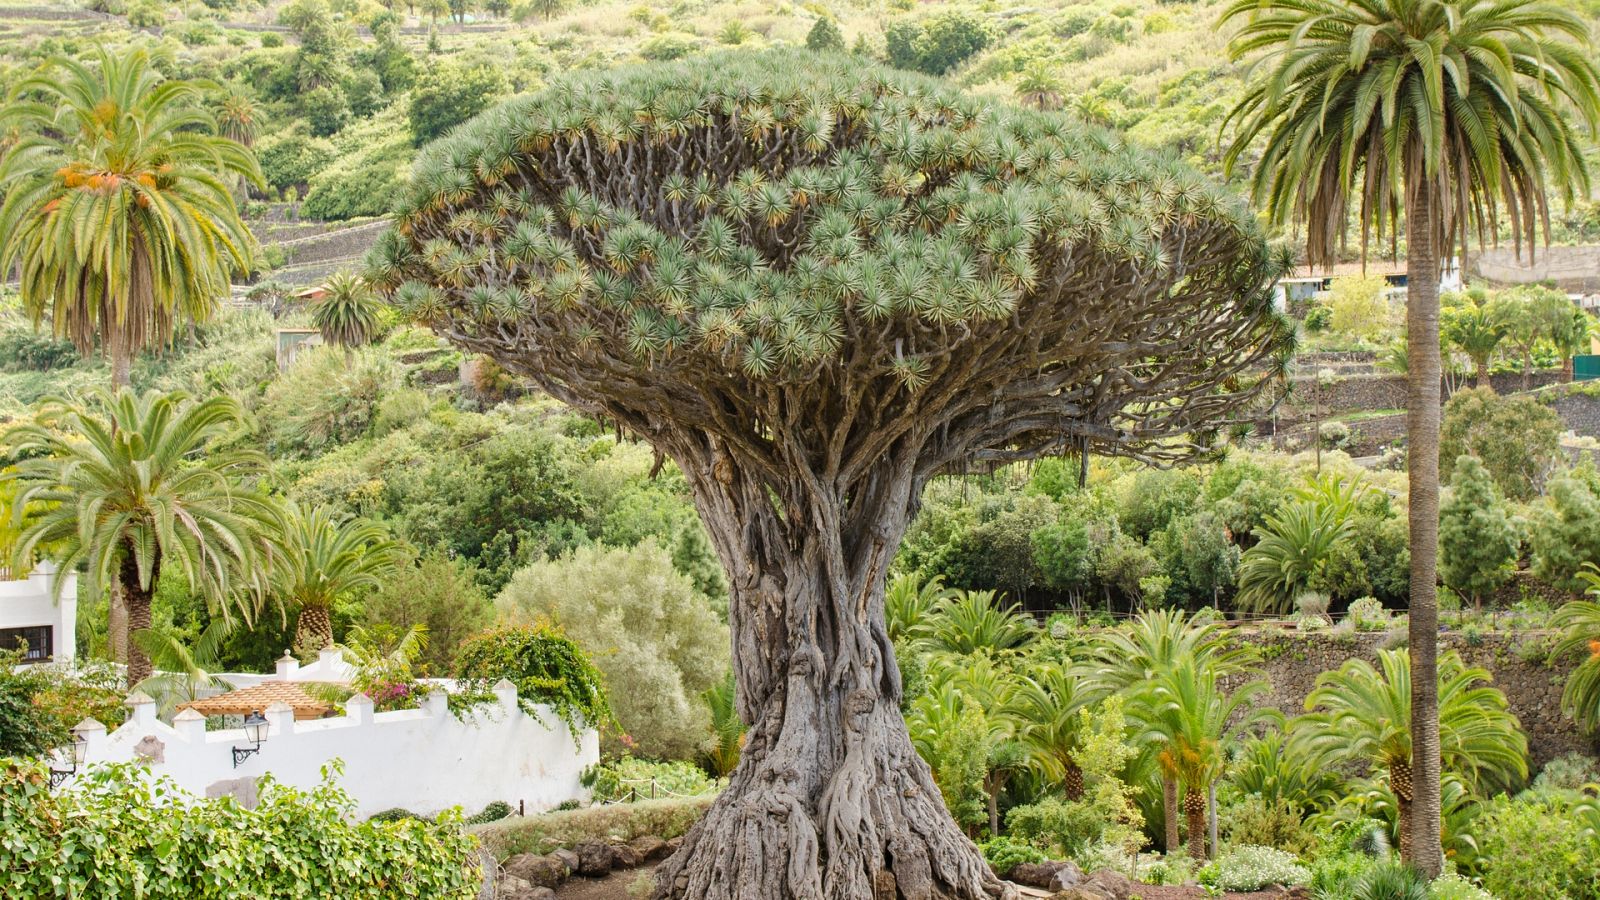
(1072, 780)
(1194, 811)
(1402, 786)
(1483, 373)
(1422, 431)
(117, 624)
(992, 788)
(313, 630)
(137, 597)
(121, 366)
(1169, 807)
(1566, 369)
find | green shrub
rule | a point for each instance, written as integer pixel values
(546, 667)
(1062, 828)
(1570, 772)
(395, 814)
(494, 812)
(447, 94)
(566, 828)
(1566, 531)
(1334, 876)
(657, 640)
(1367, 614)
(1006, 853)
(1534, 848)
(1390, 881)
(938, 44)
(1253, 868)
(672, 45)
(121, 835)
(825, 37)
(294, 158)
(1258, 821)
(322, 401)
(1518, 439)
(25, 729)
(629, 779)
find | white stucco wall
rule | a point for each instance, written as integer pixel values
(424, 760)
(31, 602)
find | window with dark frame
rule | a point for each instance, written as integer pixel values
(38, 639)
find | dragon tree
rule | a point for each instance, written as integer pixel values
(814, 285)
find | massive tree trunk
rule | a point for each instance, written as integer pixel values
(137, 597)
(830, 799)
(1422, 431)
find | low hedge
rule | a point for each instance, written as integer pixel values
(118, 833)
(566, 828)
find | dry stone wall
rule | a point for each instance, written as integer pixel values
(1293, 660)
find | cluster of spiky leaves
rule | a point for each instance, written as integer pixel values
(742, 222)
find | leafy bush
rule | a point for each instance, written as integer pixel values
(825, 37)
(1367, 614)
(1478, 540)
(1334, 875)
(1253, 868)
(1005, 853)
(1063, 828)
(447, 94)
(1533, 846)
(938, 44)
(395, 814)
(493, 812)
(566, 828)
(631, 779)
(1570, 772)
(655, 637)
(322, 401)
(546, 667)
(1516, 438)
(1254, 820)
(41, 704)
(25, 729)
(1566, 533)
(672, 45)
(124, 834)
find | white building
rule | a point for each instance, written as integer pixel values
(30, 612)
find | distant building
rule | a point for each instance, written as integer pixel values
(31, 616)
(293, 341)
(1305, 284)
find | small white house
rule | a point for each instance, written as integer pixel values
(31, 614)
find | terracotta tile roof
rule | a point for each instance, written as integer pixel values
(256, 699)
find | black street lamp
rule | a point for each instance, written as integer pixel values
(255, 731)
(73, 753)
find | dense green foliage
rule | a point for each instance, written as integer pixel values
(546, 668)
(121, 834)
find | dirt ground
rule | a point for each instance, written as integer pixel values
(615, 887)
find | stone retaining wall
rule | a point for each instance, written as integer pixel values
(1292, 662)
(1367, 392)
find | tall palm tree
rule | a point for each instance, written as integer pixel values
(118, 211)
(1188, 719)
(321, 558)
(130, 485)
(1360, 715)
(1039, 86)
(1440, 110)
(347, 312)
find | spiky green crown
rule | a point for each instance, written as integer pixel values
(756, 216)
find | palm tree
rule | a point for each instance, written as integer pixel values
(1580, 624)
(238, 118)
(909, 603)
(1570, 335)
(1475, 329)
(118, 212)
(347, 312)
(321, 558)
(1047, 702)
(1155, 643)
(1188, 719)
(976, 622)
(1359, 715)
(183, 674)
(1441, 110)
(727, 729)
(132, 485)
(1039, 87)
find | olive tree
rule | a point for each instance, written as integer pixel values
(814, 285)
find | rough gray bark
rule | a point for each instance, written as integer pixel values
(137, 598)
(1422, 466)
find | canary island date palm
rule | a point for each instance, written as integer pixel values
(1449, 114)
(1475, 329)
(1580, 625)
(118, 213)
(129, 485)
(318, 559)
(1047, 702)
(1187, 719)
(814, 285)
(347, 313)
(1361, 715)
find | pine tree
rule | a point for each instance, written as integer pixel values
(1478, 540)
